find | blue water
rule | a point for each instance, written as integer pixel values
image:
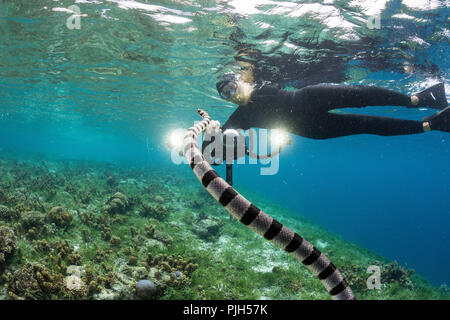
(77, 94)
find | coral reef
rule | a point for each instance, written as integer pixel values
(67, 238)
(167, 271)
(33, 224)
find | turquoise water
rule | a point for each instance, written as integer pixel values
(112, 90)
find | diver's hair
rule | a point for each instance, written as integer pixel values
(260, 222)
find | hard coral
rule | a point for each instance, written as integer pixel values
(395, 273)
(60, 216)
(4, 213)
(169, 271)
(84, 196)
(62, 254)
(3, 196)
(33, 223)
(19, 209)
(158, 211)
(115, 241)
(118, 203)
(34, 281)
(8, 243)
(74, 285)
(170, 263)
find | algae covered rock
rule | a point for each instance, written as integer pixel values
(8, 243)
(169, 271)
(60, 216)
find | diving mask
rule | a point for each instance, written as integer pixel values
(229, 91)
(227, 86)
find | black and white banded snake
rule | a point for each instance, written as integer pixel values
(259, 221)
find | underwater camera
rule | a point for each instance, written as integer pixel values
(231, 146)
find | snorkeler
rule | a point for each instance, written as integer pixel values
(306, 112)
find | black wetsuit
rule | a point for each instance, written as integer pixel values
(305, 112)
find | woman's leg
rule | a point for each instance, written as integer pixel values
(325, 97)
(331, 125)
